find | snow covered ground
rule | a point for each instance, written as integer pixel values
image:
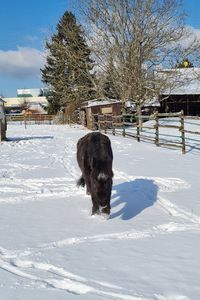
(51, 248)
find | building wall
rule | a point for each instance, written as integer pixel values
(112, 108)
(190, 104)
(87, 112)
(19, 101)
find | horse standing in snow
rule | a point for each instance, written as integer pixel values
(95, 157)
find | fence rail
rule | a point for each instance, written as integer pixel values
(192, 132)
(137, 128)
(31, 119)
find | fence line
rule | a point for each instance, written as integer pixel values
(119, 124)
(59, 118)
(31, 119)
(128, 125)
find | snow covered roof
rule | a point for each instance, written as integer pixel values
(129, 103)
(98, 102)
(183, 81)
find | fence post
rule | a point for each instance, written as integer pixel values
(99, 124)
(93, 122)
(182, 131)
(157, 129)
(0, 131)
(123, 131)
(113, 127)
(104, 123)
(105, 128)
(138, 128)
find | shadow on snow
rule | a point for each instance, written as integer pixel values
(133, 197)
(28, 138)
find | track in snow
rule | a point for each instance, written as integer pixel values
(17, 262)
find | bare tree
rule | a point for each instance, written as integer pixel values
(136, 37)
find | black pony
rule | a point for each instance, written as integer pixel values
(95, 157)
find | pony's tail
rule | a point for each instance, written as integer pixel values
(81, 181)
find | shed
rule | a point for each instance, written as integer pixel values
(3, 125)
(184, 93)
(98, 106)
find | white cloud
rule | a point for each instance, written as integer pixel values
(21, 62)
(31, 38)
(191, 35)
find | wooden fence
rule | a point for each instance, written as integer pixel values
(31, 119)
(130, 125)
(59, 118)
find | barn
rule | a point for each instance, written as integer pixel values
(98, 106)
(3, 125)
(184, 93)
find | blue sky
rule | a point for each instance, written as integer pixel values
(24, 27)
(192, 8)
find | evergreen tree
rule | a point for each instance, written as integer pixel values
(68, 65)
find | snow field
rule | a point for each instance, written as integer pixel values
(51, 248)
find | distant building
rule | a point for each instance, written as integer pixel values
(184, 91)
(26, 98)
(98, 106)
(30, 92)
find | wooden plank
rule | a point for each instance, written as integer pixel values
(193, 132)
(147, 127)
(169, 126)
(170, 141)
(145, 137)
(191, 118)
(171, 145)
(169, 114)
(131, 134)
